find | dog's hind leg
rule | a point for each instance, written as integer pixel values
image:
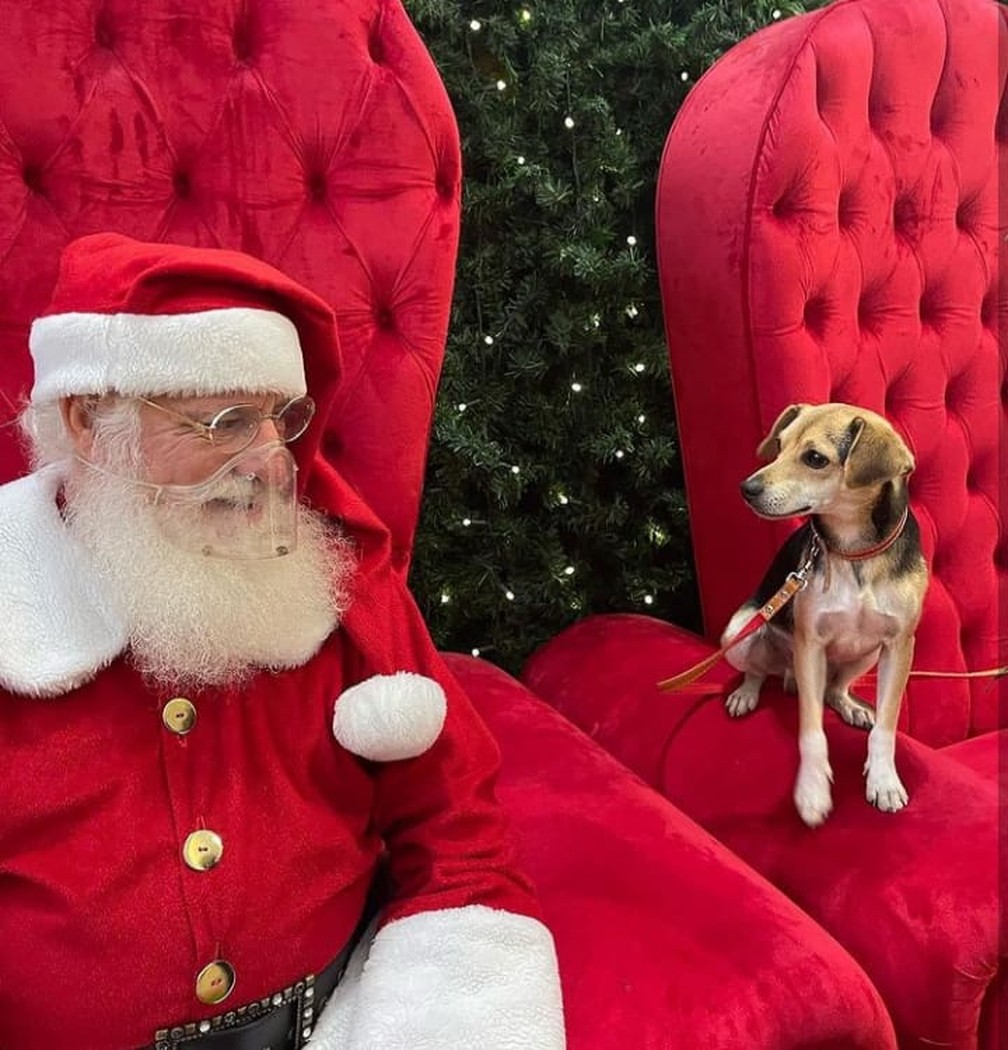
(746, 697)
(853, 711)
(756, 657)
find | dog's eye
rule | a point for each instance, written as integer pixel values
(815, 460)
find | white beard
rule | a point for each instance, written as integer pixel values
(194, 620)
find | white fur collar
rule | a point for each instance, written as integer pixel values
(58, 626)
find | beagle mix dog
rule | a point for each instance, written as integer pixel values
(865, 578)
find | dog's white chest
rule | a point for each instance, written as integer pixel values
(850, 620)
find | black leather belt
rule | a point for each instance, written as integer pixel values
(282, 1021)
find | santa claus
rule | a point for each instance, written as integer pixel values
(221, 715)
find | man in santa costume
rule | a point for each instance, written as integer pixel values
(220, 712)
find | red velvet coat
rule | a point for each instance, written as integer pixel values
(104, 927)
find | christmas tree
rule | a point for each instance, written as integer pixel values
(554, 487)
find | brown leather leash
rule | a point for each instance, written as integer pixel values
(795, 582)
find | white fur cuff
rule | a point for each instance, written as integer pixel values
(389, 717)
(470, 978)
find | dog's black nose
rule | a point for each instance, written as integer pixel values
(751, 487)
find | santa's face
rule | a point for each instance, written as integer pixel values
(191, 617)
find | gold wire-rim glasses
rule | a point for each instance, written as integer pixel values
(235, 427)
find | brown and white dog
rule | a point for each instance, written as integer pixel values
(847, 469)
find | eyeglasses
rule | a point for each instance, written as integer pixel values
(234, 428)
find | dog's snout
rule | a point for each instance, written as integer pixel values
(752, 487)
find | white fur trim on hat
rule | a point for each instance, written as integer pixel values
(471, 978)
(389, 717)
(207, 352)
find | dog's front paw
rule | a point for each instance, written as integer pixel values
(813, 796)
(883, 787)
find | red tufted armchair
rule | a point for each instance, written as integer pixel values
(829, 228)
(319, 138)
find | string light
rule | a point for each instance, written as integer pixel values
(632, 241)
(775, 14)
(467, 522)
(562, 500)
(632, 311)
(569, 571)
(462, 406)
(501, 85)
(568, 122)
(576, 387)
(684, 76)
(620, 453)
(475, 652)
(509, 595)
(649, 599)
(526, 15)
(516, 469)
(641, 418)
(639, 367)
(488, 339)
(521, 160)
(475, 25)
(445, 597)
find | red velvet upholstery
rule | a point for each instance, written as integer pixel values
(828, 229)
(828, 232)
(319, 137)
(261, 126)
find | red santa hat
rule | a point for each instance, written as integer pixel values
(138, 318)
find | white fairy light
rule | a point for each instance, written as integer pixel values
(639, 367)
(475, 25)
(775, 14)
(501, 85)
(569, 571)
(462, 406)
(526, 15)
(632, 311)
(576, 387)
(510, 595)
(649, 599)
(445, 597)
(475, 652)
(562, 499)
(488, 339)
(467, 522)
(632, 241)
(516, 470)
(684, 76)
(568, 122)
(620, 453)
(521, 159)
(641, 418)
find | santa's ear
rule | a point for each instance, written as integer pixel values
(875, 453)
(770, 445)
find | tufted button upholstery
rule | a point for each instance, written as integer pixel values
(845, 248)
(256, 126)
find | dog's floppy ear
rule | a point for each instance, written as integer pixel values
(875, 453)
(770, 445)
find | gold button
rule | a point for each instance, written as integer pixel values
(202, 849)
(179, 715)
(214, 982)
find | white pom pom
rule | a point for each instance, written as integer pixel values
(389, 717)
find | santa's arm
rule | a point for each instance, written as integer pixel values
(461, 960)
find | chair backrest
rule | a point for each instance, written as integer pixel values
(828, 230)
(315, 136)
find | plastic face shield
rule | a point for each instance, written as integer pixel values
(246, 509)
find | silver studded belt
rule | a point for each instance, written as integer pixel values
(282, 1021)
